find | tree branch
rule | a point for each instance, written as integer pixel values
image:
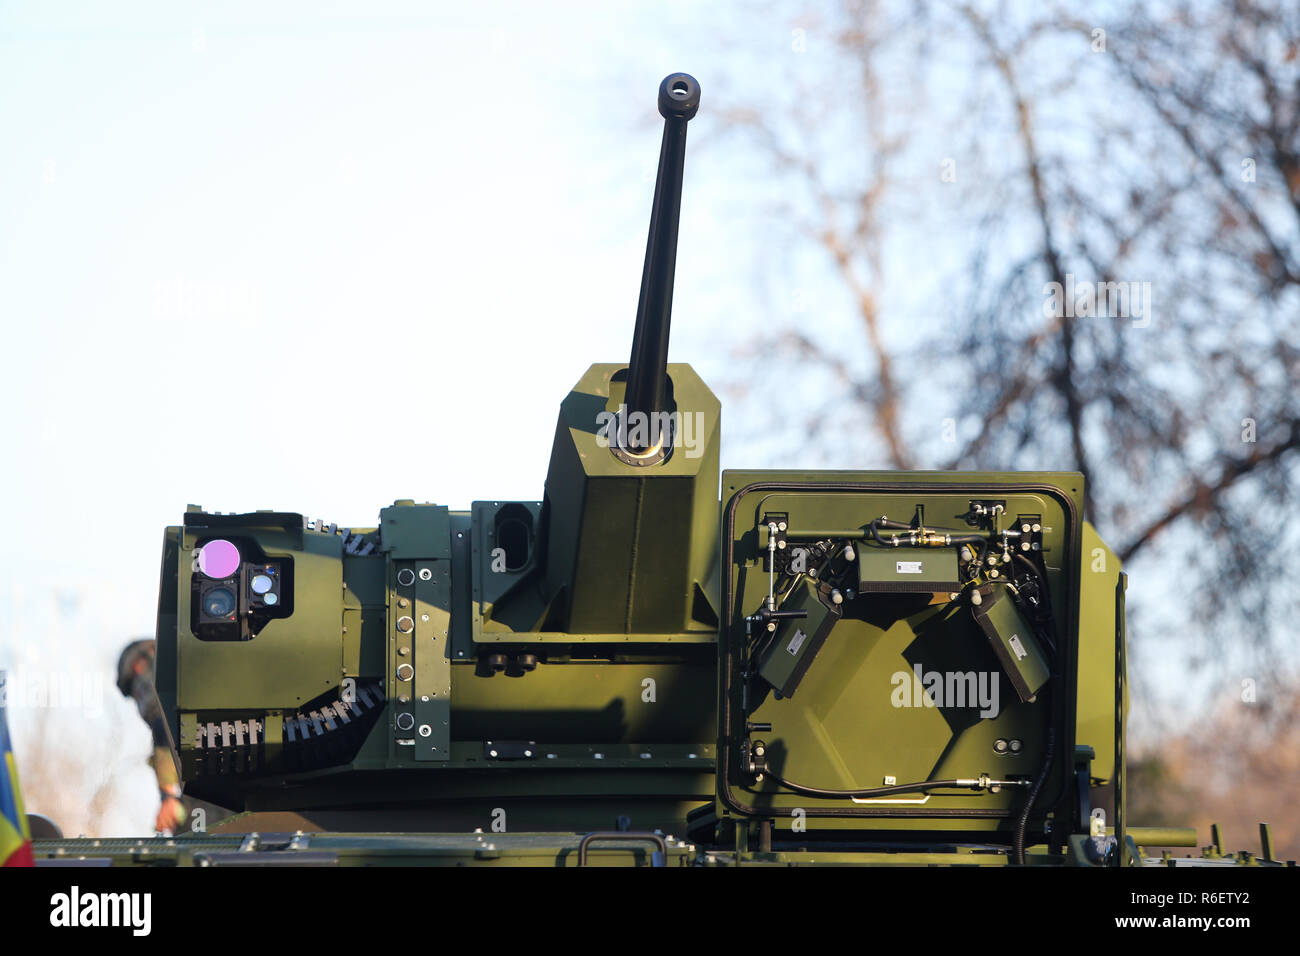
(1204, 496)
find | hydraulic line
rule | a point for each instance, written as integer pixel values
(1023, 822)
(951, 538)
(980, 783)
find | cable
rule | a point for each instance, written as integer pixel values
(881, 791)
(1045, 612)
(1023, 822)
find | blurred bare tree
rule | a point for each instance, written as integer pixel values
(75, 788)
(1234, 767)
(1147, 160)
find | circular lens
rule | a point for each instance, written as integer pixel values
(271, 599)
(218, 559)
(261, 584)
(219, 602)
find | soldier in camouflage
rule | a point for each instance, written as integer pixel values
(135, 680)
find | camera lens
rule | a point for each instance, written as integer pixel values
(219, 602)
(219, 559)
(261, 584)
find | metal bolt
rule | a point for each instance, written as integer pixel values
(425, 730)
(425, 574)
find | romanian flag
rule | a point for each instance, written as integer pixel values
(15, 839)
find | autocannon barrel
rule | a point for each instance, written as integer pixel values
(647, 385)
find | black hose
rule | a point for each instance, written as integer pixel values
(872, 792)
(887, 523)
(1041, 565)
(1045, 613)
(1023, 822)
(1038, 576)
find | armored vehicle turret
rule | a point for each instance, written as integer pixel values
(655, 660)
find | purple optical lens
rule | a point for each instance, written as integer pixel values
(218, 559)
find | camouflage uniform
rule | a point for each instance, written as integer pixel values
(135, 670)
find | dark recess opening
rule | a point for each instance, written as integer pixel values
(514, 535)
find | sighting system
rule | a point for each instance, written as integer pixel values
(891, 666)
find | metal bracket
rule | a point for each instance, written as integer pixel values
(510, 749)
